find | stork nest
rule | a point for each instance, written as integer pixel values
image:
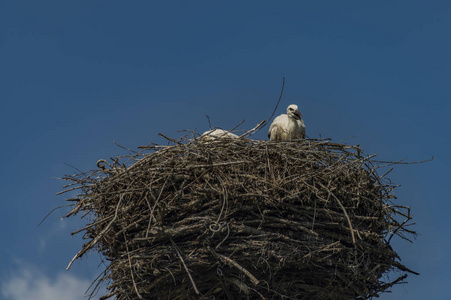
(242, 219)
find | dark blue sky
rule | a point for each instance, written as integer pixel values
(77, 76)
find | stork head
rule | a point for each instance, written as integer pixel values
(293, 112)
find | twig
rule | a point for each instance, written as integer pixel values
(236, 126)
(131, 267)
(233, 263)
(398, 228)
(209, 123)
(129, 150)
(68, 190)
(184, 266)
(52, 212)
(216, 165)
(275, 108)
(169, 139)
(344, 211)
(253, 130)
(88, 246)
(400, 162)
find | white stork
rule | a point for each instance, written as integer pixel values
(287, 127)
(214, 134)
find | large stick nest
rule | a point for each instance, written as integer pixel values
(242, 219)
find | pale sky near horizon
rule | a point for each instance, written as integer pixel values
(78, 76)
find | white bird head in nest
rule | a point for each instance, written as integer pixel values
(293, 112)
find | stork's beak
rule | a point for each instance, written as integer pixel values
(298, 113)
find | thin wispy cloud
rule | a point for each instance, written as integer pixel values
(29, 283)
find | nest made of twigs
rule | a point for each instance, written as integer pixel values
(243, 219)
